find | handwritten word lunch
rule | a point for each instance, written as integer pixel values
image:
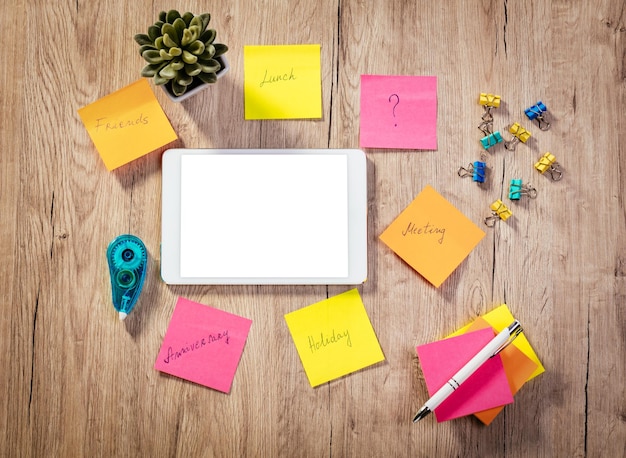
(114, 125)
(413, 229)
(173, 355)
(334, 338)
(277, 78)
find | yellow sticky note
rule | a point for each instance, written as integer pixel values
(282, 82)
(432, 236)
(334, 337)
(127, 124)
(501, 317)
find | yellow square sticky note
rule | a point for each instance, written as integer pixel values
(127, 124)
(282, 82)
(334, 337)
(501, 317)
(432, 236)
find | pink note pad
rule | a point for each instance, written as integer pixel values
(203, 345)
(488, 387)
(399, 112)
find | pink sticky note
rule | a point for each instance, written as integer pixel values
(203, 345)
(399, 112)
(488, 387)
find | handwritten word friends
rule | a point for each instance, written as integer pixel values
(427, 229)
(326, 340)
(114, 125)
(173, 355)
(277, 78)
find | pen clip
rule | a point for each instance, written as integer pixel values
(515, 329)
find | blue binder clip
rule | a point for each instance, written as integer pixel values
(538, 113)
(517, 190)
(476, 170)
(491, 140)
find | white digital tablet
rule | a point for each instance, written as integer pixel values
(264, 216)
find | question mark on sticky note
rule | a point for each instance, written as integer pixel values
(396, 104)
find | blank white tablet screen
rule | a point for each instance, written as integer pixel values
(264, 215)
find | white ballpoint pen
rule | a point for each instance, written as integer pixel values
(495, 346)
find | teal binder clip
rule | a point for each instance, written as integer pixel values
(128, 261)
(517, 190)
(491, 140)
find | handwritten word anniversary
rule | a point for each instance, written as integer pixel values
(325, 341)
(114, 125)
(413, 229)
(173, 355)
(277, 78)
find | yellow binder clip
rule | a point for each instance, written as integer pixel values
(519, 135)
(547, 163)
(499, 211)
(488, 101)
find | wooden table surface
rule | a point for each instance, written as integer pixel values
(77, 382)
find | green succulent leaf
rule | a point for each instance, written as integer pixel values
(159, 24)
(162, 16)
(197, 48)
(209, 52)
(175, 51)
(206, 18)
(158, 43)
(197, 21)
(169, 29)
(143, 39)
(171, 16)
(151, 70)
(152, 56)
(177, 64)
(177, 89)
(179, 25)
(220, 49)
(187, 17)
(145, 48)
(154, 32)
(210, 66)
(187, 37)
(193, 69)
(168, 72)
(189, 58)
(208, 36)
(208, 78)
(165, 55)
(169, 41)
(183, 79)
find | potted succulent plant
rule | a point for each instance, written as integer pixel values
(181, 53)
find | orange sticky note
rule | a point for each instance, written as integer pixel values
(432, 236)
(517, 366)
(127, 124)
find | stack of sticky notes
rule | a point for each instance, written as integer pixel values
(492, 386)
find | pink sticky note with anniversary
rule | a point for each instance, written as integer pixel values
(488, 387)
(399, 112)
(203, 345)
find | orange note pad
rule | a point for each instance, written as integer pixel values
(127, 124)
(432, 236)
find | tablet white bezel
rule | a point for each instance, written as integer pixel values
(171, 220)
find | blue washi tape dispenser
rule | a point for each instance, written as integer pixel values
(128, 263)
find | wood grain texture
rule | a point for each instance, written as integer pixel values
(76, 382)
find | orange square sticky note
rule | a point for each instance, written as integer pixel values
(127, 124)
(432, 236)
